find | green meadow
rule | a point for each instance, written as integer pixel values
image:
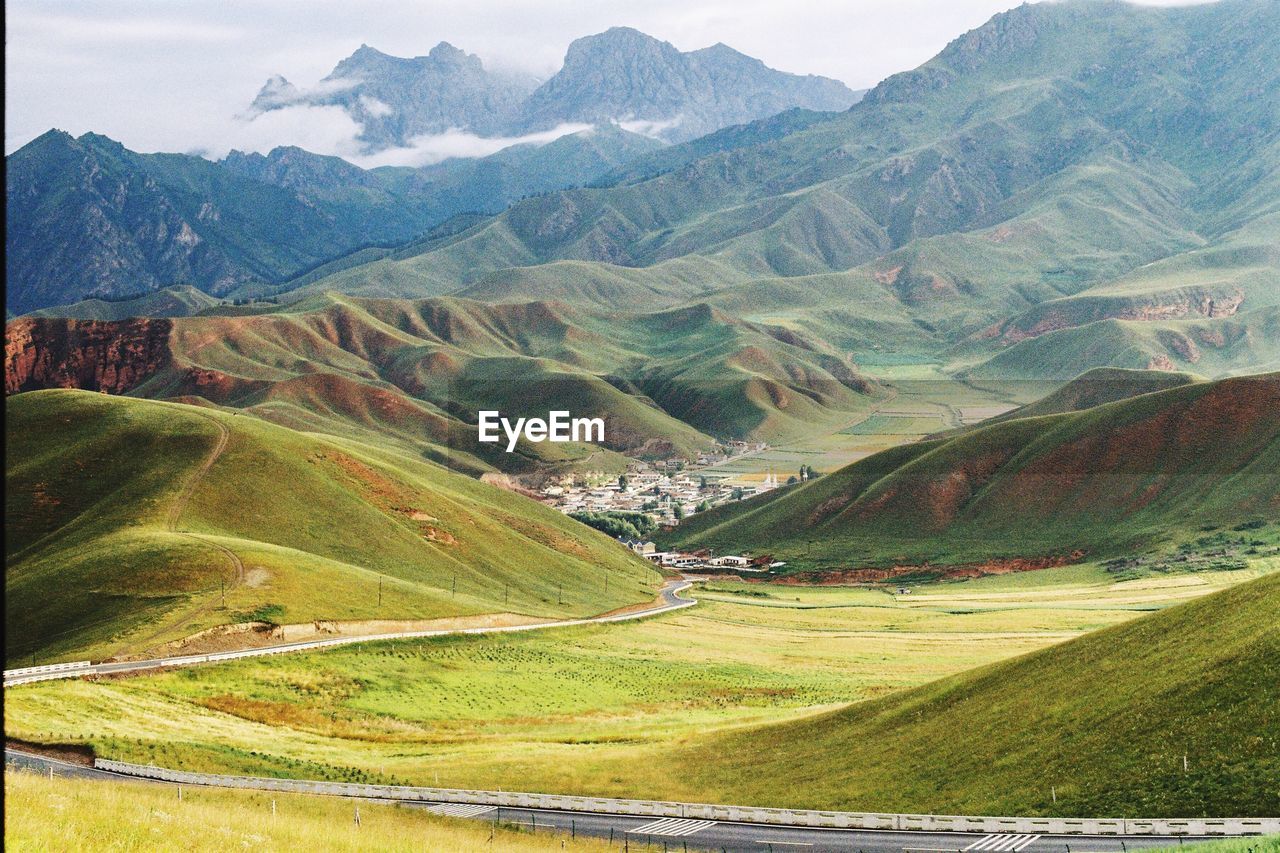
(589, 709)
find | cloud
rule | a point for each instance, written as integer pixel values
(649, 127)
(100, 30)
(278, 93)
(433, 148)
(375, 108)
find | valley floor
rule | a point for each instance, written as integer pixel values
(583, 710)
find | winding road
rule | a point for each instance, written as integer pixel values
(677, 834)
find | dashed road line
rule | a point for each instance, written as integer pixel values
(672, 826)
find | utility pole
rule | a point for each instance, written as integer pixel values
(560, 595)
(379, 592)
(222, 587)
(455, 584)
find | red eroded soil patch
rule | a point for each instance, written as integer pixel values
(48, 352)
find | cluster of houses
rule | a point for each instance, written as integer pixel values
(702, 559)
(666, 497)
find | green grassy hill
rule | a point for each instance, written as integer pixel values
(1094, 387)
(1004, 190)
(1104, 720)
(1148, 470)
(415, 373)
(126, 520)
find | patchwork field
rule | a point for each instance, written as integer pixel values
(567, 710)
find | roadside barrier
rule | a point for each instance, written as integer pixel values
(736, 814)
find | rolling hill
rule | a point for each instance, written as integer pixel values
(90, 218)
(1143, 471)
(1102, 723)
(1062, 166)
(416, 373)
(128, 520)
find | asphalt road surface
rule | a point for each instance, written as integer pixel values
(674, 834)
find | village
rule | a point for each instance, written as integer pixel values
(652, 495)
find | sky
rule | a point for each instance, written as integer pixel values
(177, 75)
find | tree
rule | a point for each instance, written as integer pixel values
(737, 493)
(791, 481)
(622, 482)
(702, 485)
(678, 511)
(703, 507)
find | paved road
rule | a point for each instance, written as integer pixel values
(674, 834)
(669, 598)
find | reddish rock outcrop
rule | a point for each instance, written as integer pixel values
(90, 354)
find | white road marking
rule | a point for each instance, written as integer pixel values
(672, 826)
(1001, 842)
(459, 809)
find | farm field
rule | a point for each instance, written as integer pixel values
(563, 710)
(81, 814)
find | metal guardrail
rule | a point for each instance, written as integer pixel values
(49, 671)
(15, 677)
(49, 667)
(737, 814)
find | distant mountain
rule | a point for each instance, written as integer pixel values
(396, 99)
(1068, 174)
(90, 219)
(623, 75)
(619, 76)
(1155, 469)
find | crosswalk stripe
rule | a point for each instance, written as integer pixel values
(672, 826)
(459, 809)
(1002, 843)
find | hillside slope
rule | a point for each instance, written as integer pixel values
(1103, 722)
(1063, 165)
(127, 520)
(1140, 471)
(416, 372)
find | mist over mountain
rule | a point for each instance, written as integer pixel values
(396, 99)
(1070, 185)
(619, 76)
(89, 218)
(623, 75)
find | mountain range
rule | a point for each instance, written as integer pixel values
(414, 373)
(1070, 185)
(618, 76)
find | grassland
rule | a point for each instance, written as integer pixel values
(80, 814)
(130, 523)
(1105, 720)
(1152, 471)
(586, 709)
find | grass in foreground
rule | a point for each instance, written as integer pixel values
(565, 710)
(1104, 720)
(82, 814)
